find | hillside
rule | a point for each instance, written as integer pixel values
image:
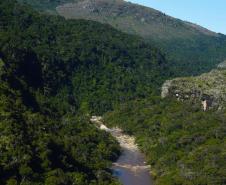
(46, 5)
(191, 48)
(183, 144)
(208, 89)
(182, 133)
(71, 57)
(54, 74)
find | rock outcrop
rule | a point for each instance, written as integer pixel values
(222, 65)
(208, 89)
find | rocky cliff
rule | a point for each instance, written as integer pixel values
(208, 89)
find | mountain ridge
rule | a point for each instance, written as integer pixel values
(55, 73)
(121, 8)
(190, 48)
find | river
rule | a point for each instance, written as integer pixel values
(131, 167)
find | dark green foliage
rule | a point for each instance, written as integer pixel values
(184, 145)
(53, 73)
(190, 48)
(46, 5)
(196, 55)
(72, 58)
(46, 148)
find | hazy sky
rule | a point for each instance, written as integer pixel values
(210, 14)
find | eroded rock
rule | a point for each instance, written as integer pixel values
(208, 89)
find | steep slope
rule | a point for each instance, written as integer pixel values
(45, 147)
(46, 5)
(209, 89)
(53, 73)
(192, 49)
(72, 57)
(183, 134)
(132, 18)
(183, 144)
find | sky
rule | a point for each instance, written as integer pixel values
(210, 14)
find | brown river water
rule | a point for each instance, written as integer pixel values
(130, 168)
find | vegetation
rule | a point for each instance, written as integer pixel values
(42, 147)
(71, 62)
(191, 49)
(53, 73)
(194, 56)
(209, 87)
(46, 5)
(41, 140)
(183, 145)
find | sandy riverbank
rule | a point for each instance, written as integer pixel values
(130, 168)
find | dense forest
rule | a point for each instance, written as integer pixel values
(53, 74)
(43, 147)
(56, 73)
(183, 144)
(72, 60)
(46, 5)
(40, 141)
(190, 48)
(195, 56)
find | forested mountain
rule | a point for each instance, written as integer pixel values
(183, 144)
(53, 73)
(71, 58)
(191, 49)
(46, 5)
(182, 133)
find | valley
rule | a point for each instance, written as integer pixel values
(131, 167)
(157, 78)
(190, 48)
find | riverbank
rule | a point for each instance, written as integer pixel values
(130, 168)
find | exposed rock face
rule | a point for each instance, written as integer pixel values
(222, 65)
(166, 88)
(209, 89)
